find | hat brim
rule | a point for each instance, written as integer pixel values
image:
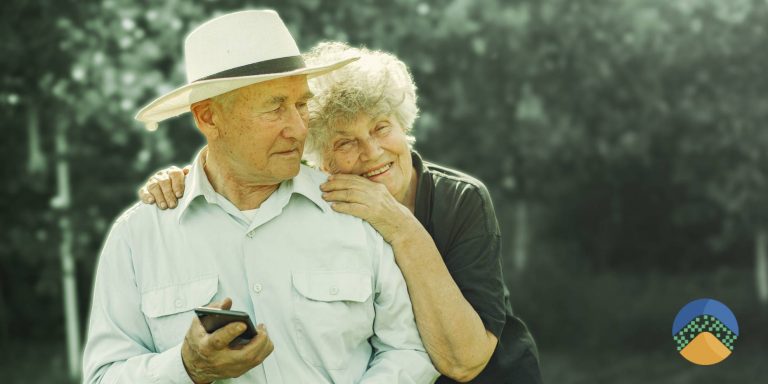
(179, 100)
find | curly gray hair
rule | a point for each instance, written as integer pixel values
(378, 84)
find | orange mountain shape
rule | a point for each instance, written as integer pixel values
(705, 349)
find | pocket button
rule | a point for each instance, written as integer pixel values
(334, 290)
(178, 303)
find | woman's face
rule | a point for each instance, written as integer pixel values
(373, 148)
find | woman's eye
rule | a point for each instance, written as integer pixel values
(382, 128)
(344, 144)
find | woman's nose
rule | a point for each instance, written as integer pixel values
(371, 149)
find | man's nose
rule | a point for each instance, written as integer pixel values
(295, 125)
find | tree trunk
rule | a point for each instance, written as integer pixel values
(36, 159)
(4, 310)
(62, 203)
(520, 246)
(761, 266)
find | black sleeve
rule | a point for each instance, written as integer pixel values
(474, 257)
(476, 269)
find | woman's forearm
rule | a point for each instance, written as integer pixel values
(452, 332)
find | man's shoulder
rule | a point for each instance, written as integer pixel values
(140, 215)
(131, 213)
(315, 178)
(313, 175)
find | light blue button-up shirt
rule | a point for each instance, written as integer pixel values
(325, 284)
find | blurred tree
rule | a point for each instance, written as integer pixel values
(627, 133)
(761, 266)
(27, 260)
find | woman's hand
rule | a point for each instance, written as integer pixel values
(370, 201)
(164, 187)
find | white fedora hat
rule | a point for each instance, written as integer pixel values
(231, 52)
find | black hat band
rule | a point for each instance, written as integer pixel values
(279, 65)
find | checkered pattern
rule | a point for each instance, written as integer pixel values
(705, 323)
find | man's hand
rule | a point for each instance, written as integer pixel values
(164, 187)
(207, 357)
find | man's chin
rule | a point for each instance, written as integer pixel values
(289, 172)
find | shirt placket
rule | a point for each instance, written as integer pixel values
(260, 273)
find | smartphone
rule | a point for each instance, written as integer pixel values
(214, 318)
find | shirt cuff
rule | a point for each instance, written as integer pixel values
(167, 367)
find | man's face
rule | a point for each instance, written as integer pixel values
(373, 148)
(262, 130)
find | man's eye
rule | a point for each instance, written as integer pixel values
(382, 128)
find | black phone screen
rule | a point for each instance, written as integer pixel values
(213, 319)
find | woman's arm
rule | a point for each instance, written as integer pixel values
(451, 330)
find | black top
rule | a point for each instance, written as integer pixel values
(456, 210)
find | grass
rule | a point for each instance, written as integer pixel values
(616, 328)
(37, 362)
(744, 366)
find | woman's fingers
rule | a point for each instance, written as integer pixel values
(145, 196)
(176, 175)
(354, 209)
(167, 190)
(153, 188)
(165, 187)
(337, 182)
(346, 176)
(347, 195)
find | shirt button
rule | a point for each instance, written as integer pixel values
(251, 234)
(178, 303)
(334, 290)
(257, 288)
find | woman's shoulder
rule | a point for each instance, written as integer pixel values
(446, 179)
(461, 198)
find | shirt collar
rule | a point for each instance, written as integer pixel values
(197, 184)
(307, 183)
(423, 209)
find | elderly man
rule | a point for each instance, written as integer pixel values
(252, 233)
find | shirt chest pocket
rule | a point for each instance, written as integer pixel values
(169, 309)
(333, 315)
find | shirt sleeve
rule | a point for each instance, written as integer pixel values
(480, 280)
(399, 356)
(119, 347)
(474, 258)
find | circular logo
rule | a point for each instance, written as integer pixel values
(705, 331)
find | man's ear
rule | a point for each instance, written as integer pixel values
(203, 114)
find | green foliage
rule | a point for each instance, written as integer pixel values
(633, 127)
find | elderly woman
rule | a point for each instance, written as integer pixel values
(439, 222)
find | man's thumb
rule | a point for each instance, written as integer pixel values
(226, 303)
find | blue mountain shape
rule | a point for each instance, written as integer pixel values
(705, 307)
